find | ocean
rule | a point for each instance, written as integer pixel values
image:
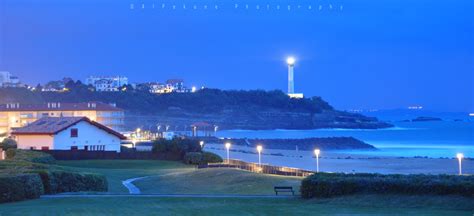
(454, 134)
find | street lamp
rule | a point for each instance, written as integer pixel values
(227, 146)
(316, 152)
(259, 150)
(460, 156)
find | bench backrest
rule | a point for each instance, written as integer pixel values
(283, 188)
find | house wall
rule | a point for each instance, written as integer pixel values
(12, 119)
(88, 135)
(34, 141)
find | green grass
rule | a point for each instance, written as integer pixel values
(118, 170)
(215, 181)
(377, 205)
(175, 177)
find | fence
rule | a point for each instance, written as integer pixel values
(110, 155)
(254, 167)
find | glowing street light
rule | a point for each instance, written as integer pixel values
(259, 150)
(316, 152)
(227, 146)
(460, 156)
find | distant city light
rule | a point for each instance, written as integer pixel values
(290, 60)
(460, 156)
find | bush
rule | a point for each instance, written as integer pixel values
(60, 182)
(209, 157)
(29, 155)
(197, 158)
(333, 184)
(193, 158)
(8, 143)
(176, 146)
(20, 187)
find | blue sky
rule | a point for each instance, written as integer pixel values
(369, 55)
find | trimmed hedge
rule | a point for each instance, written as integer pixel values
(209, 157)
(29, 155)
(197, 158)
(60, 182)
(335, 184)
(20, 187)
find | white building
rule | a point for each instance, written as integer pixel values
(107, 83)
(7, 80)
(67, 133)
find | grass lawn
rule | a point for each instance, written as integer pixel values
(215, 181)
(174, 177)
(356, 205)
(118, 170)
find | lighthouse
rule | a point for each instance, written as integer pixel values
(290, 61)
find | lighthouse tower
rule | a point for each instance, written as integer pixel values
(291, 81)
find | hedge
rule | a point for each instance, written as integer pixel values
(60, 182)
(20, 187)
(29, 155)
(335, 184)
(197, 158)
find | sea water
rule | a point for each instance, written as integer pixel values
(454, 134)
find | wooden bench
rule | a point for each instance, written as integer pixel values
(283, 189)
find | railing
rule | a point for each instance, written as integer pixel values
(255, 167)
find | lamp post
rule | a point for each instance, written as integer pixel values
(227, 146)
(316, 152)
(259, 150)
(460, 156)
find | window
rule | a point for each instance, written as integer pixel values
(74, 132)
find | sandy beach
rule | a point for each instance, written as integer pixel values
(342, 162)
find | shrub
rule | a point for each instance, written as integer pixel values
(29, 155)
(209, 157)
(332, 184)
(20, 187)
(61, 181)
(193, 158)
(8, 143)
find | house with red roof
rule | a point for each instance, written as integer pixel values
(67, 133)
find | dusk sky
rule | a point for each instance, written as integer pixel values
(370, 54)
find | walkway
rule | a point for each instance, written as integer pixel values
(132, 189)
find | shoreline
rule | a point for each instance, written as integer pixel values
(331, 161)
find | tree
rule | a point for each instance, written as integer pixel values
(8, 143)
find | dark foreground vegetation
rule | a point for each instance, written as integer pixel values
(326, 143)
(29, 174)
(188, 150)
(337, 184)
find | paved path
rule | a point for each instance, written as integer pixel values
(132, 189)
(163, 196)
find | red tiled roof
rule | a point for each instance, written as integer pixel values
(54, 125)
(99, 106)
